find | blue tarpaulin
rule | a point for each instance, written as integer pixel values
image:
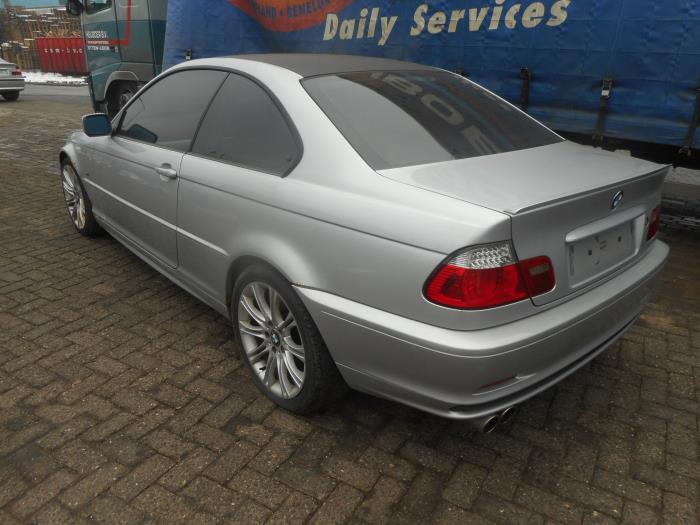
(650, 49)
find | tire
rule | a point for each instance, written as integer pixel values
(11, 96)
(78, 203)
(321, 381)
(119, 95)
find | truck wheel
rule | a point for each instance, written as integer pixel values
(11, 96)
(119, 95)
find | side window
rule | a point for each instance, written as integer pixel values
(168, 113)
(245, 127)
(93, 6)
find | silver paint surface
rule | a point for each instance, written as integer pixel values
(358, 246)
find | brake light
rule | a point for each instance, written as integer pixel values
(654, 221)
(17, 72)
(489, 276)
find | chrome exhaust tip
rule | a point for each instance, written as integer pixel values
(490, 424)
(485, 424)
(507, 415)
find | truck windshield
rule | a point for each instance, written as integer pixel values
(404, 118)
(93, 6)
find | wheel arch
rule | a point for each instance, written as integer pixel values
(68, 152)
(240, 264)
(279, 257)
(116, 77)
(115, 80)
(103, 78)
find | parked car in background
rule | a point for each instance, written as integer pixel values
(373, 222)
(11, 80)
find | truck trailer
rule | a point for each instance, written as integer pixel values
(617, 73)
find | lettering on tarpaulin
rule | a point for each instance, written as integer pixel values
(374, 24)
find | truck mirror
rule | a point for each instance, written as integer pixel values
(97, 125)
(74, 7)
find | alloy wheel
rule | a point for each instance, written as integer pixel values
(271, 339)
(73, 193)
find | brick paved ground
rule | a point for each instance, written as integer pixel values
(121, 401)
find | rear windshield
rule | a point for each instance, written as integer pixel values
(404, 118)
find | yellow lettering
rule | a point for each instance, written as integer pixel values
(558, 13)
(532, 16)
(476, 18)
(418, 20)
(510, 16)
(436, 23)
(456, 16)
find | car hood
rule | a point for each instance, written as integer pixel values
(516, 181)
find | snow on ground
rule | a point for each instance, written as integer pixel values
(40, 77)
(684, 176)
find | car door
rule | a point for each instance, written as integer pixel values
(135, 171)
(244, 147)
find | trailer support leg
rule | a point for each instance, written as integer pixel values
(525, 89)
(603, 110)
(687, 148)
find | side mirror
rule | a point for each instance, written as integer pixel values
(97, 125)
(74, 7)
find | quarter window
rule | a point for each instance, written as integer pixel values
(244, 126)
(168, 113)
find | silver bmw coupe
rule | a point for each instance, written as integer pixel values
(374, 223)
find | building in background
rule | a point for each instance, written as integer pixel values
(22, 22)
(32, 3)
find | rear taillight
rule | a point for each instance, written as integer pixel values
(654, 221)
(489, 276)
(17, 72)
(538, 275)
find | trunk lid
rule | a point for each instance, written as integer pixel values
(560, 199)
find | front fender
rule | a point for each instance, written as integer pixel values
(74, 151)
(69, 151)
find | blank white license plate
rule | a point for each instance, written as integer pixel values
(4, 72)
(596, 254)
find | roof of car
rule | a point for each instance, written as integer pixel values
(312, 64)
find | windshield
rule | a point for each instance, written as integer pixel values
(404, 118)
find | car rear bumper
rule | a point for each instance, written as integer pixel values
(11, 84)
(447, 372)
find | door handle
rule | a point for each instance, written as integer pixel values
(166, 171)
